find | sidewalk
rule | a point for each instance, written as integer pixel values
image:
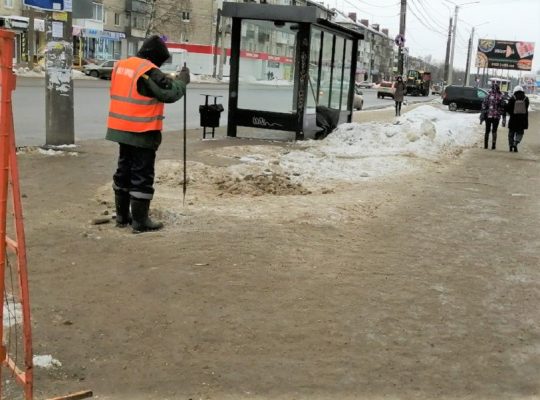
(419, 286)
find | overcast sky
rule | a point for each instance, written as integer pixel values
(495, 19)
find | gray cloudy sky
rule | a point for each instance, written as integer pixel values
(499, 19)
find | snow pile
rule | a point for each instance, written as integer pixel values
(38, 72)
(356, 151)
(534, 100)
(56, 153)
(46, 361)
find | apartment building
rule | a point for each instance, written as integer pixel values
(11, 17)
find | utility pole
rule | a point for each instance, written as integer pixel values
(402, 23)
(223, 48)
(216, 43)
(31, 38)
(469, 52)
(451, 63)
(447, 59)
(59, 114)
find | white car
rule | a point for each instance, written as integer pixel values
(364, 85)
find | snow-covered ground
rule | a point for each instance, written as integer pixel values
(358, 151)
(38, 73)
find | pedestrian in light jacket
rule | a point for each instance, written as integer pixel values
(138, 93)
(399, 92)
(518, 109)
(492, 111)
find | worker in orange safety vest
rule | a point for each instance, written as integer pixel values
(138, 92)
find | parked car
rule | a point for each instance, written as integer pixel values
(358, 102)
(463, 97)
(364, 85)
(171, 70)
(436, 89)
(385, 89)
(103, 70)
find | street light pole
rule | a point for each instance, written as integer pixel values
(447, 58)
(453, 47)
(469, 52)
(454, 38)
(402, 23)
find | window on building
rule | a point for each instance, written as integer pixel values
(138, 21)
(185, 16)
(8, 3)
(116, 19)
(97, 14)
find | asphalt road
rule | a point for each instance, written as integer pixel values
(92, 101)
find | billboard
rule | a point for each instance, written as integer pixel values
(51, 5)
(504, 54)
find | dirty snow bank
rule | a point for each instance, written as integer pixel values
(46, 361)
(355, 151)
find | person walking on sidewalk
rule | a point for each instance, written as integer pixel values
(492, 110)
(399, 92)
(518, 109)
(137, 96)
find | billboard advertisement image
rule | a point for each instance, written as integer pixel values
(504, 54)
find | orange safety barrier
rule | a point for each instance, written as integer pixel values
(9, 178)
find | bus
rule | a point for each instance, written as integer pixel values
(504, 84)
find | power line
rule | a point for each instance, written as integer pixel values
(379, 6)
(423, 13)
(368, 13)
(424, 24)
(423, 6)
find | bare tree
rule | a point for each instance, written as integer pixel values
(169, 17)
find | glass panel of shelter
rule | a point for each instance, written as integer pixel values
(266, 66)
(329, 71)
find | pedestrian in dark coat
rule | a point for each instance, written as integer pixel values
(518, 109)
(492, 110)
(399, 92)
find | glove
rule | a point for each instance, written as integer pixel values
(184, 75)
(504, 122)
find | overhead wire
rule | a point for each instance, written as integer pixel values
(368, 13)
(425, 25)
(422, 6)
(378, 5)
(430, 23)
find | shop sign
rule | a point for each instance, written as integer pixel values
(98, 34)
(60, 16)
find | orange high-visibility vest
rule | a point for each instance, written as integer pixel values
(129, 111)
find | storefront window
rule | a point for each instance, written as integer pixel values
(266, 76)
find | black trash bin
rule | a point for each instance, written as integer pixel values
(210, 114)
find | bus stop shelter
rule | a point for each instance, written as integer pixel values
(292, 69)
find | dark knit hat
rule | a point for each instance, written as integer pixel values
(154, 50)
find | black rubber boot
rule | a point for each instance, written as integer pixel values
(493, 145)
(123, 216)
(141, 221)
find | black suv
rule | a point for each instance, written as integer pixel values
(463, 97)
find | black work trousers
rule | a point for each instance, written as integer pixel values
(491, 126)
(135, 172)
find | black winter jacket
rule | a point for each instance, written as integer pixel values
(517, 122)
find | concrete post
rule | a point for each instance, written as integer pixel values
(59, 113)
